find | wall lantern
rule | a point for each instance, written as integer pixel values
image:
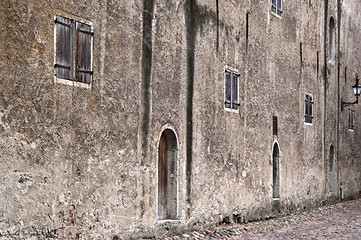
(356, 91)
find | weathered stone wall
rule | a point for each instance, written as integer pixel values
(82, 163)
(349, 62)
(275, 76)
(64, 146)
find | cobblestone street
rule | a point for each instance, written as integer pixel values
(340, 221)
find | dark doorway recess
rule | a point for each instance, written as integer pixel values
(332, 175)
(276, 171)
(167, 175)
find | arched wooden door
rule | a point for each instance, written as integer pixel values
(276, 171)
(162, 177)
(168, 176)
(332, 170)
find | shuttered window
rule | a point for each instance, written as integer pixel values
(351, 116)
(66, 47)
(308, 108)
(231, 90)
(277, 7)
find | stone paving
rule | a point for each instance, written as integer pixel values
(339, 221)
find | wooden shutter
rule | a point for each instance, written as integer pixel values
(83, 52)
(235, 103)
(274, 7)
(279, 7)
(64, 48)
(227, 89)
(275, 125)
(306, 108)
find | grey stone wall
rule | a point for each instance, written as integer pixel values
(82, 163)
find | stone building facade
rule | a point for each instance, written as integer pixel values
(135, 118)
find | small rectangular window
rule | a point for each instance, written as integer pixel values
(66, 47)
(308, 109)
(231, 90)
(351, 116)
(275, 125)
(277, 7)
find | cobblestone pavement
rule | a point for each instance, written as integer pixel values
(340, 221)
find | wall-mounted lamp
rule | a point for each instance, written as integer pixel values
(356, 91)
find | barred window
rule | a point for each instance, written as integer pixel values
(231, 90)
(308, 109)
(351, 116)
(277, 7)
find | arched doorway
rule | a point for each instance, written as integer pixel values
(276, 171)
(332, 169)
(167, 175)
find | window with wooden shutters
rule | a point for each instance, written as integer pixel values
(83, 52)
(64, 48)
(308, 109)
(277, 7)
(351, 116)
(231, 90)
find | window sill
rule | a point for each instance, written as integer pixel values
(169, 221)
(351, 130)
(276, 15)
(71, 83)
(308, 124)
(231, 110)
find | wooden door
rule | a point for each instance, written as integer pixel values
(276, 172)
(162, 177)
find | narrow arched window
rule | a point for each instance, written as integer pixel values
(331, 43)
